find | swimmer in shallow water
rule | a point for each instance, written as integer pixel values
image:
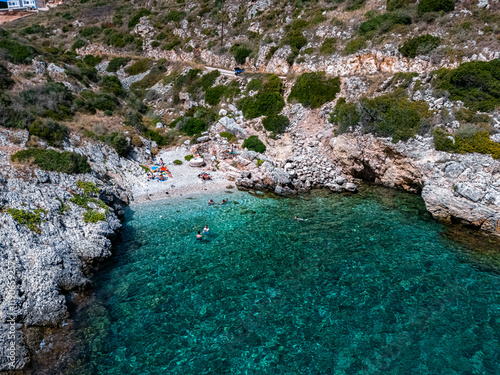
(199, 236)
(299, 218)
(206, 229)
(210, 202)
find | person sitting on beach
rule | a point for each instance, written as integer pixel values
(211, 202)
(161, 178)
(199, 236)
(162, 164)
(206, 230)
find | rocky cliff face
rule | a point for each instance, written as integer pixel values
(46, 244)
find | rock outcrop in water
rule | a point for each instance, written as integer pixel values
(456, 188)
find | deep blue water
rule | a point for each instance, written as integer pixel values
(368, 284)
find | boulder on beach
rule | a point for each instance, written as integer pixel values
(197, 162)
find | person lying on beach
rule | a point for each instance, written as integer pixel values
(199, 236)
(206, 230)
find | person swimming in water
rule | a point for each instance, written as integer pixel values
(211, 202)
(206, 229)
(199, 236)
(224, 201)
(299, 218)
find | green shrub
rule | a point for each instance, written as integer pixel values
(119, 143)
(354, 46)
(102, 102)
(33, 29)
(392, 5)
(87, 187)
(135, 19)
(117, 39)
(471, 117)
(50, 160)
(229, 136)
(117, 63)
(178, 162)
(91, 60)
(404, 80)
(88, 32)
(232, 89)
(51, 99)
(175, 16)
(84, 200)
(390, 115)
(194, 126)
(345, 115)
(477, 84)
(31, 219)
(240, 53)
(271, 52)
(112, 85)
(189, 157)
(93, 216)
(328, 46)
(420, 45)
(443, 141)
(294, 37)
(267, 102)
(214, 94)
(262, 104)
(79, 43)
(5, 81)
(153, 77)
(16, 52)
(158, 138)
(207, 80)
(479, 142)
(313, 89)
(82, 73)
(276, 124)
(255, 144)
(383, 23)
(355, 4)
(49, 131)
(254, 85)
(138, 67)
(425, 6)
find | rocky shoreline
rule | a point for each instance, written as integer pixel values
(56, 259)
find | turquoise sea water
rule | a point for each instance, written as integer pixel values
(368, 284)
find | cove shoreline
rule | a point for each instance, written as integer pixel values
(366, 189)
(59, 339)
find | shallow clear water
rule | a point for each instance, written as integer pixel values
(368, 284)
